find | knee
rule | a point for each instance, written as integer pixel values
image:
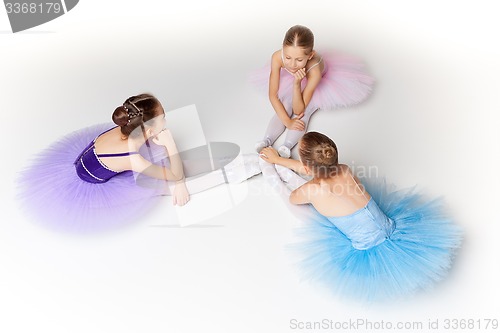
(307, 117)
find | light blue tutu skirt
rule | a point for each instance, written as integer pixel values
(417, 254)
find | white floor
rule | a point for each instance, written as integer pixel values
(429, 122)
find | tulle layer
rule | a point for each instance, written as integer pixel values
(50, 192)
(345, 82)
(417, 255)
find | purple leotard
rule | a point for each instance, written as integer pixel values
(93, 196)
(91, 169)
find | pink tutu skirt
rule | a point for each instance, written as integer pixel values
(345, 82)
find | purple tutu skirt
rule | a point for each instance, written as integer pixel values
(345, 82)
(50, 192)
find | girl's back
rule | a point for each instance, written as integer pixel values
(338, 195)
(112, 142)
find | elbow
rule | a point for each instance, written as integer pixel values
(273, 94)
(293, 199)
(297, 197)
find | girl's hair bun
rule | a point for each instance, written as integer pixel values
(325, 154)
(120, 116)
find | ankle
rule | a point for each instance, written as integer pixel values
(284, 152)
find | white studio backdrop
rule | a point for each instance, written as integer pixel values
(431, 121)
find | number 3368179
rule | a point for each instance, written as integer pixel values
(32, 8)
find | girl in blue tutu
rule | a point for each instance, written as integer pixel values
(104, 175)
(300, 81)
(364, 242)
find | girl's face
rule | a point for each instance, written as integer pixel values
(295, 58)
(157, 124)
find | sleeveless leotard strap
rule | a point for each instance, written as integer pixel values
(316, 64)
(358, 187)
(118, 154)
(89, 166)
(112, 155)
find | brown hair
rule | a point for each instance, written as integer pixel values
(300, 36)
(135, 111)
(319, 153)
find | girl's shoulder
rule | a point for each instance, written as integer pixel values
(313, 188)
(310, 191)
(317, 56)
(344, 168)
(315, 62)
(344, 171)
(111, 141)
(111, 135)
(276, 61)
(276, 57)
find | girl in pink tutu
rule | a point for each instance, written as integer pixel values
(302, 81)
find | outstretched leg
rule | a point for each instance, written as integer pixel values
(205, 167)
(284, 181)
(290, 178)
(273, 179)
(240, 169)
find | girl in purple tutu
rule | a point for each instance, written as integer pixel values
(301, 81)
(100, 175)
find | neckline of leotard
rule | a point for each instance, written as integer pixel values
(307, 71)
(128, 153)
(98, 156)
